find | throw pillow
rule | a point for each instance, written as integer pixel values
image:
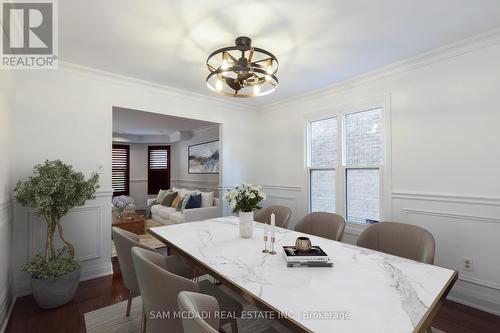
(182, 205)
(161, 195)
(194, 201)
(167, 201)
(176, 201)
(207, 199)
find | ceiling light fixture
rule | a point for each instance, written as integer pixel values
(242, 70)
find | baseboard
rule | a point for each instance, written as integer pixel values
(97, 271)
(5, 321)
(476, 296)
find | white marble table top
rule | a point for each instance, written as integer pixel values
(371, 291)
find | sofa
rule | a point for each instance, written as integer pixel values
(169, 215)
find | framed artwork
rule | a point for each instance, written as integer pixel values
(204, 157)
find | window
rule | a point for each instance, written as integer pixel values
(322, 190)
(158, 168)
(364, 155)
(362, 192)
(120, 169)
(348, 183)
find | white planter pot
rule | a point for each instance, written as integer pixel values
(246, 224)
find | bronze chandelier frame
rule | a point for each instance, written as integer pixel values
(252, 74)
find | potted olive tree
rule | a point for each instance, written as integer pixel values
(52, 190)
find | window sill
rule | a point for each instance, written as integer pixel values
(355, 228)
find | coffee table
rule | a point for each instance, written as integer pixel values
(131, 222)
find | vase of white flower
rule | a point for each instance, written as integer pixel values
(244, 199)
(246, 224)
(120, 203)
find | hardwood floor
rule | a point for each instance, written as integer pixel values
(97, 293)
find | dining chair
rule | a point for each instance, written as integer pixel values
(282, 215)
(160, 288)
(322, 224)
(196, 306)
(124, 241)
(400, 239)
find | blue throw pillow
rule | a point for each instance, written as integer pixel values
(194, 201)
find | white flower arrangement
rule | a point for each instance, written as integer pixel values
(121, 202)
(245, 197)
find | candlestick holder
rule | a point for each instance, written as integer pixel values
(273, 240)
(265, 245)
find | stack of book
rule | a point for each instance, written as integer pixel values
(315, 257)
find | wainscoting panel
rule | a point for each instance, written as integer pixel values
(6, 277)
(290, 196)
(88, 228)
(80, 221)
(463, 227)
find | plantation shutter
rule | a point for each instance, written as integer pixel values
(120, 171)
(158, 168)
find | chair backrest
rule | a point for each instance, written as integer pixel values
(124, 241)
(198, 312)
(399, 239)
(159, 289)
(322, 224)
(282, 215)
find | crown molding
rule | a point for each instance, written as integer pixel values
(115, 78)
(205, 128)
(448, 51)
(452, 50)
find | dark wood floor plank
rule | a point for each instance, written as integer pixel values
(101, 292)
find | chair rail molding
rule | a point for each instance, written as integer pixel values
(286, 188)
(447, 197)
(451, 215)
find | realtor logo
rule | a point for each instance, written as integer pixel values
(29, 38)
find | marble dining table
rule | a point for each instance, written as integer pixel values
(364, 291)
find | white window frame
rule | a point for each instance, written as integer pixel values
(385, 170)
(309, 166)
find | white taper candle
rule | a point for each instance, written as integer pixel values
(273, 225)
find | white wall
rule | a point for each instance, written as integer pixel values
(6, 187)
(67, 114)
(445, 154)
(180, 175)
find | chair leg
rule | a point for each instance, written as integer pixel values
(129, 303)
(143, 322)
(234, 326)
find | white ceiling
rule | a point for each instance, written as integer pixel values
(318, 42)
(133, 122)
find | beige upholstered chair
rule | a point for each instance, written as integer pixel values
(282, 215)
(322, 224)
(124, 241)
(399, 239)
(194, 303)
(160, 289)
